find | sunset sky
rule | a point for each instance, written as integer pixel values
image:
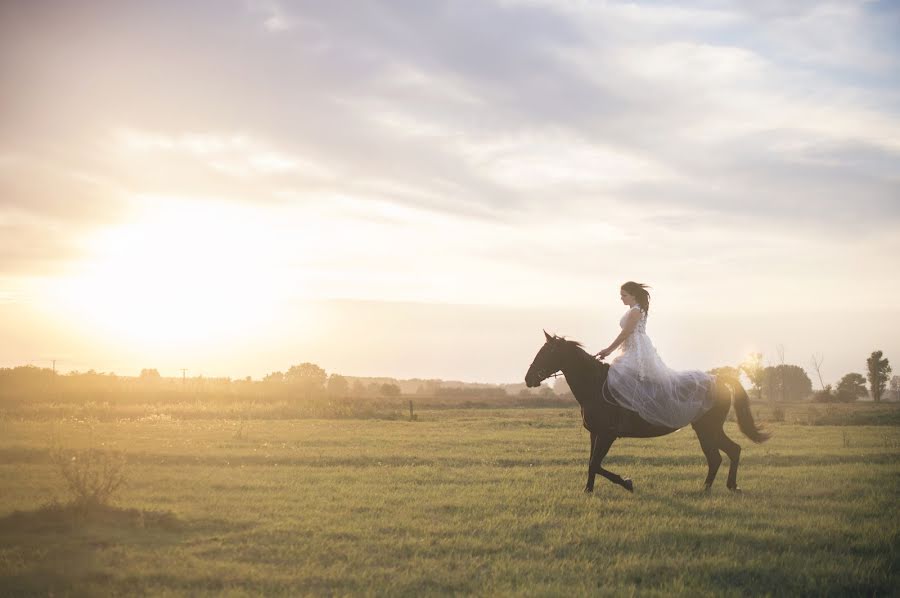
(418, 188)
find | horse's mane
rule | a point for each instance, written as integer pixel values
(569, 341)
(577, 344)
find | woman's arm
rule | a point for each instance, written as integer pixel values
(631, 322)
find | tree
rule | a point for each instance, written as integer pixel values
(786, 382)
(149, 378)
(274, 378)
(561, 387)
(753, 369)
(851, 387)
(338, 385)
(725, 370)
(879, 371)
(780, 391)
(428, 388)
(389, 390)
(817, 359)
(826, 395)
(306, 377)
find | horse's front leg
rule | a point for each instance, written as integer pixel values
(602, 442)
(589, 487)
(601, 447)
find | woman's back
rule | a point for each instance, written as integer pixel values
(639, 380)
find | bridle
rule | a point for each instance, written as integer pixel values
(543, 375)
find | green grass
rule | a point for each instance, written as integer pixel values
(463, 501)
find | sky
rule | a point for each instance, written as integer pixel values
(418, 189)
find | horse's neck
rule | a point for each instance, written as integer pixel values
(584, 375)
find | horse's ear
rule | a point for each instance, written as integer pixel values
(549, 338)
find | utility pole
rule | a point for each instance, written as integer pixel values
(54, 366)
(183, 376)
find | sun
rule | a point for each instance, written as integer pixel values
(184, 273)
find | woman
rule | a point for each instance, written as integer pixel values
(638, 378)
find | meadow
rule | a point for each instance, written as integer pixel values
(459, 501)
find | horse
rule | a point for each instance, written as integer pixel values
(607, 421)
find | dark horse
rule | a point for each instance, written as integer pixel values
(607, 421)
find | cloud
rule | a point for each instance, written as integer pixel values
(739, 157)
(653, 117)
(414, 95)
(45, 210)
(693, 107)
(235, 154)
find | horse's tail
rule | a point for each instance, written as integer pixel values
(742, 409)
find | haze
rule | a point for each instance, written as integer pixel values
(417, 189)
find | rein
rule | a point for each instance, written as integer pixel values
(559, 373)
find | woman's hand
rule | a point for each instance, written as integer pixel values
(604, 353)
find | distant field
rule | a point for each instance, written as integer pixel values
(138, 406)
(483, 501)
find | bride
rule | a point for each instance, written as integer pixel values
(639, 380)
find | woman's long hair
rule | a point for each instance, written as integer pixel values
(639, 292)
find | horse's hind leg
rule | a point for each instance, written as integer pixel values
(713, 458)
(733, 450)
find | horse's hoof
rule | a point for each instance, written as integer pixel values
(736, 490)
(628, 484)
(707, 488)
(588, 490)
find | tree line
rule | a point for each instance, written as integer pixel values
(301, 381)
(780, 382)
(788, 382)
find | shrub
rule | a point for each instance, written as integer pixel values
(812, 416)
(92, 476)
(826, 395)
(777, 414)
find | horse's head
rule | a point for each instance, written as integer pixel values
(548, 360)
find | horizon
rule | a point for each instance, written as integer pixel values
(831, 372)
(416, 191)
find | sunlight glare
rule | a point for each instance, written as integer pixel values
(181, 272)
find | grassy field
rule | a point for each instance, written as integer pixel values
(461, 501)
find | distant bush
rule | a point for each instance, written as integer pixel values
(826, 395)
(851, 387)
(471, 393)
(843, 394)
(92, 475)
(777, 414)
(786, 383)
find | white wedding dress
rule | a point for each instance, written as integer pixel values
(640, 381)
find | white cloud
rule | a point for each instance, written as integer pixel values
(236, 155)
(542, 160)
(407, 77)
(274, 17)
